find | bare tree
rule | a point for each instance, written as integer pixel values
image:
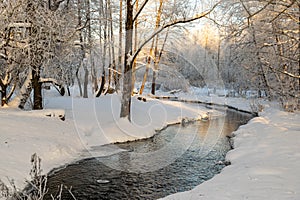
(34, 32)
(270, 34)
(130, 56)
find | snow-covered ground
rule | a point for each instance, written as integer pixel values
(88, 123)
(265, 161)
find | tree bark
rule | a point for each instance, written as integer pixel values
(119, 67)
(92, 64)
(86, 81)
(112, 42)
(135, 46)
(86, 72)
(37, 90)
(101, 85)
(3, 94)
(78, 80)
(157, 25)
(24, 93)
(127, 81)
(147, 68)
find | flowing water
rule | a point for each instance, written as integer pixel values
(176, 159)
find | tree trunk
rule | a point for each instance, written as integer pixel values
(157, 25)
(101, 85)
(147, 69)
(78, 81)
(3, 94)
(93, 70)
(110, 60)
(86, 72)
(263, 75)
(86, 81)
(127, 80)
(112, 42)
(119, 67)
(102, 46)
(37, 90)
(24, 93)
(135, 46)
(104, 24)
(157, 60)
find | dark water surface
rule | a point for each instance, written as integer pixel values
(175, 160)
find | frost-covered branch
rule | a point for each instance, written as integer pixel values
(55, 83)
(49, 80)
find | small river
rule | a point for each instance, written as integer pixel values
(176, 159)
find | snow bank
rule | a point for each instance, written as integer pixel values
(265, 162)
(88, 123)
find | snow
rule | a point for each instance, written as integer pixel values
(264, 163)
(88, 124)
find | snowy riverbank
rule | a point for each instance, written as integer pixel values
(264, 163)
(89, 122)
(265, 160)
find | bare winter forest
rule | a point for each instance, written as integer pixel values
(107, 46)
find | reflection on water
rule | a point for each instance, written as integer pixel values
(175, 160)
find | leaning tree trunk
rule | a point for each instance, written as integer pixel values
(102, 84)
(127, 80)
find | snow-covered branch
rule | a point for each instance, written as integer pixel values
(60, 89)
(3, 56)
(49, 80)
(19, 25)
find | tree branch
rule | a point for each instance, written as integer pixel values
(140, 10)
(1, 84)
(285, 9)
(180, 21)
(252, 15)
(3, 56)
(285, 72)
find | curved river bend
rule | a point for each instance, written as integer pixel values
(175, 160)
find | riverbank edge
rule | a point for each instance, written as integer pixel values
(178, 99)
